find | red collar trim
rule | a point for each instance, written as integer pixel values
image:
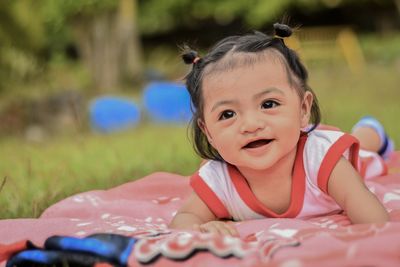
(297, 192)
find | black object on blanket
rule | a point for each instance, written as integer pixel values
(71, 251)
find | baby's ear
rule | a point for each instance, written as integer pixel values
(306, 106)
(200, 123)
(204, 129)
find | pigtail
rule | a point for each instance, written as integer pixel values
(282, 30)
(190, 57)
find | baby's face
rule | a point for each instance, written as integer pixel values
(253, 115)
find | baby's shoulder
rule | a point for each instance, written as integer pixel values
(213, 168)
(319, 141)
(324, 137)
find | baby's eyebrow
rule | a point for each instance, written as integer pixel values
(223, 102)
(268, 91)
(256, 96)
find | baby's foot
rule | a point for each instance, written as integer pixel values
(387, 145)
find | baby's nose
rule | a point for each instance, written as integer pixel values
(252, 123)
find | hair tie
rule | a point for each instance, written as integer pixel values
(195, 60)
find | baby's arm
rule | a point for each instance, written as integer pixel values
(195, 215)
(348, 189)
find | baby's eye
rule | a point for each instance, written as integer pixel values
(269, 104)
(226, 114)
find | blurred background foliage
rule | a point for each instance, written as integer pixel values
(252, 13)
(36, 34)
(57, 55)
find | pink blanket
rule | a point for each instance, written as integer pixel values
(143, 209)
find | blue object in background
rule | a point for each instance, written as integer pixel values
(111, 114)
(167, 102)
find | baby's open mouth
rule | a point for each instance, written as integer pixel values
(258, 143)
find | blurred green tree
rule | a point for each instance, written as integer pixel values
(107, 32)
(21, 40)
(104, 32)
(106, 35)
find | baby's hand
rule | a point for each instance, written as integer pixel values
(219, 227)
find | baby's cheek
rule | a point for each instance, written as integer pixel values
(224, 148)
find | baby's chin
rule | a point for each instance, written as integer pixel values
(254, 165)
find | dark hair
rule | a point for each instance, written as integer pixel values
(256, 42)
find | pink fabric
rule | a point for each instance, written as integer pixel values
(143, 208)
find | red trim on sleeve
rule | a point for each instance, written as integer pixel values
(209, 197)
(335, 152)
(297, 191)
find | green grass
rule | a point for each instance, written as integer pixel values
(39, 174)
(345, 97)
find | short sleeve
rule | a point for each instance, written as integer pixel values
(322, 152)
(201, 186)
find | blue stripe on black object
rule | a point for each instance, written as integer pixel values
(85, 245)
(114, 248)
(125, 254)
(71, 251)
(52, 258)
(37, 256)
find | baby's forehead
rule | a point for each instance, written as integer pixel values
(234, 60)
(237, 59)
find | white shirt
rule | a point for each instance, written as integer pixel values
(225, 191)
